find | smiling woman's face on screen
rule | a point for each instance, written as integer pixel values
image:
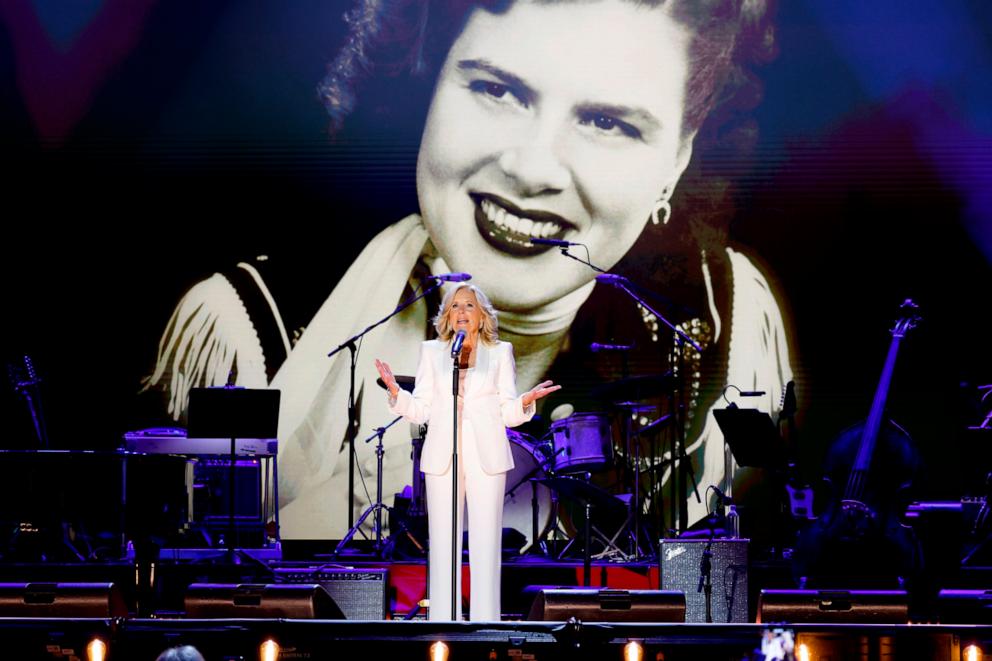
(554, 120)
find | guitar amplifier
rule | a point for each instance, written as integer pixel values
(680, 570)
(361, 594)
(605, 605)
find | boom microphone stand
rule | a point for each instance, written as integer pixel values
(353, 414)
(679, 453)
(623, 284)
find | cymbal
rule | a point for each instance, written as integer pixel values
(404, 382)
(634, 407)
(636, 388)
(653, 425)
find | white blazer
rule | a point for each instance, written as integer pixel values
(491, 404)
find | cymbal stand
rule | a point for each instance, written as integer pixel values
(681, 462)
(633, 522)
(679, 501)
(537, 538)
(636, 504)
(376, 507)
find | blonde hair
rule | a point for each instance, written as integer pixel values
(489, 325)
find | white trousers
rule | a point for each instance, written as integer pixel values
(484, 494)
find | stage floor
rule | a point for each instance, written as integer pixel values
(203, 597)
(248, 639)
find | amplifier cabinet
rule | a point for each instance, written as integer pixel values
(588, 605)
(65, 600)
(265, 601)
(681, 570)
(361, 594)
(834, 606)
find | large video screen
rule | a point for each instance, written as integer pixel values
(732, 203)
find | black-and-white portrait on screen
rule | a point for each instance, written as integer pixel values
(538, 123)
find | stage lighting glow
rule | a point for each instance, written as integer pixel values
(96, 650)
(633, 651)
(972, 653)
(803, 653)
(439, 651)
(268, 651)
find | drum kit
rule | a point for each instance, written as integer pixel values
(578, 487)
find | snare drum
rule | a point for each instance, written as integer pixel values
(582, 442)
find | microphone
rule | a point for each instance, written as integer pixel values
(724, 498)
(452, 277)
(596, 347)
(456, 348)
(553, 242)
(610, 278)
(752, 393)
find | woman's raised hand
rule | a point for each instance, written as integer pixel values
(387, 377)
(537, 392)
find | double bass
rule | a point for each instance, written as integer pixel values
(859, 538)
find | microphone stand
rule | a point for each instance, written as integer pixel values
(376, 507)
(681, 338)
(564, 251)
(705, 579)
(621, 282)
(455, 560)
(353, 415)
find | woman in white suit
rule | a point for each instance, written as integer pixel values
(487, 404)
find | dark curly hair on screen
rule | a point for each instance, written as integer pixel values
(394, 49)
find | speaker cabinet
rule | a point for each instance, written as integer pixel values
(965, 606)
(100, 600)
(362, 594)
(834, 606)
(681, 569)
(560, 604)
(303, 602)
(212, 490)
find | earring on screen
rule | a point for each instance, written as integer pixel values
(662, 211)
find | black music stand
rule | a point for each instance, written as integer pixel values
(233, 412)
(755, 442)
(752, 436)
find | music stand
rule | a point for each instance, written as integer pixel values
(233, 412)
(755, 442)
(752, 436)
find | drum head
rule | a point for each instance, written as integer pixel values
(582, 442)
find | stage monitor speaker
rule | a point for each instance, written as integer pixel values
(965, 606)
(362, 594)
(681, 570)
(561, 604)
(100, 600)
(302, 602)
(833, 606)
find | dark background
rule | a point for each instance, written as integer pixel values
(199, 142)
